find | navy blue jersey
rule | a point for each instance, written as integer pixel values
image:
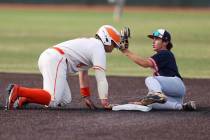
(165, 64)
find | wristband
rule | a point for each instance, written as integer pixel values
(85, 91)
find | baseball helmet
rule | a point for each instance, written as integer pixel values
(107, 34)
(161, 33)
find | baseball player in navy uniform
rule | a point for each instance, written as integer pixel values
(166, 89)
(72, 56)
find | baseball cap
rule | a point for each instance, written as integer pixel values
(161, 33)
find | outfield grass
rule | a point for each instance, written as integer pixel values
(25, 34)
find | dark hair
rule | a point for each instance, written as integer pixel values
(169, 46)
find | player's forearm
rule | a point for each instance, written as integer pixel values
(137, 59)
(83, 79)
(102, 84)
(84, 83)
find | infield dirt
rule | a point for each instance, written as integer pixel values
(77, 122)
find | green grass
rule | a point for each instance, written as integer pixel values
(25, 34)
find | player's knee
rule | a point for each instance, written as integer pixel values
(148, 80)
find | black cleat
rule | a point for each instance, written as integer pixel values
(12, 96)
(189, 106)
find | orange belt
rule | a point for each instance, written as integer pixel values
(59, 50)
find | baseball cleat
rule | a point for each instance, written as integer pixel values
(189, 106)
(20, 103)
(153, 98)
(13, 96)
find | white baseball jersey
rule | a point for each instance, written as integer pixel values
(69, 56)
(84, 53)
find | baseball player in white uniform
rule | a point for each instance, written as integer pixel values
(77, 55)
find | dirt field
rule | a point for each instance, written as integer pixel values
(77, 122)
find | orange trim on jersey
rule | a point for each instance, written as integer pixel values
(98, 67)
(154, 66)
(59, 50)
(154, 63)
(113, 35)
(56, 77)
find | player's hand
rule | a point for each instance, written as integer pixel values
(106, 105)
(89, 103)
(110, 106)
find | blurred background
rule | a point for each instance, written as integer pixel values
(28, 27)
(196, 3)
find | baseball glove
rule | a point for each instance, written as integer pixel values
(150, 99)
(125, 34)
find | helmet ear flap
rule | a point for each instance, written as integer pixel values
(98, 37)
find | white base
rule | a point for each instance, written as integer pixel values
(131, 107)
